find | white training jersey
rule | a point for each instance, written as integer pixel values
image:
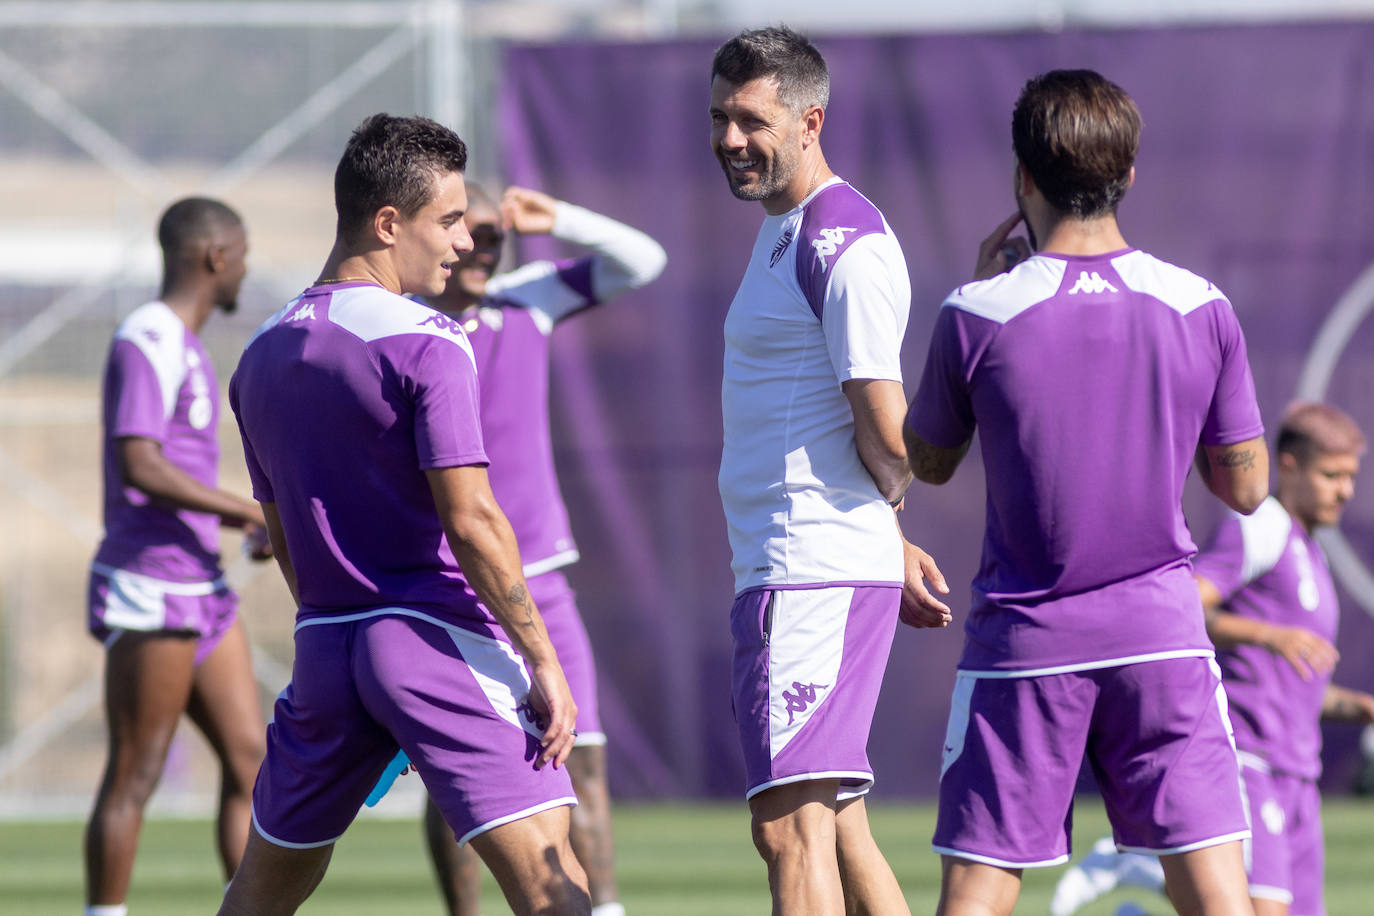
(824, 300)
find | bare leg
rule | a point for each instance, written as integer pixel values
(533, 861)
(458, 868)
(225, 706)
(591, 822)
(273, 880)
(147, 683)
(969, 888)
(1266, 907)
(794, 831)
(870, 887)
(1208, 882)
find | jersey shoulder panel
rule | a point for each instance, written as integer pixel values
(1178, 288)
(1003, 297)
(372, 314)
(835, 219)
(1265, 535)
(161, 337)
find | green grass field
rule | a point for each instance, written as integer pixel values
(675, 860)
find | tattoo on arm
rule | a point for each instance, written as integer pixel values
(519, 597)
(1242, 459)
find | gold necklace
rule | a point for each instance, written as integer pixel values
(344, 280)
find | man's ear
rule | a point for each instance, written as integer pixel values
(812, 121)
(214, 258)
(384, 224)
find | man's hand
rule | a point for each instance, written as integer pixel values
(256, 543)
(919, 607)
(527, 212)
(553, 702)
(1309, 654)
(998, 253)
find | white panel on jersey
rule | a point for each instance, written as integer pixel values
(536, 286)
(1264, 534)
(1003, 297)
(1181, 290)
(372, 313)
(806, 647)
(161, 336)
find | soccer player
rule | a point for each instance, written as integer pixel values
(158, 599)
(509, 320)
(812, 468)
(359, 414)
(1272, 613)
(1092, 372)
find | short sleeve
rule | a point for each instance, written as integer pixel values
(865, 308)
(448, 429)
(942, 411)
(1234, 415)
(133, 391)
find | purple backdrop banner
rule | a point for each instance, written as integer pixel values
(1256, 170)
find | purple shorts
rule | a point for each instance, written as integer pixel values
(1155, 733)
(367, 683)
(808, 664)
(1286, 855)
(558, 606)
(118, 600)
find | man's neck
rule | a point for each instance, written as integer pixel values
(192, 304)
(1289, 505)
(810, 176)
(1083, 237)
(362, 267)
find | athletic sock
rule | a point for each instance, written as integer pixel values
(109, 909)
(608, 909)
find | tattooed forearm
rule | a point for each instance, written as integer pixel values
(1239, 459)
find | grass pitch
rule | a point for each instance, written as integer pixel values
(674, 860)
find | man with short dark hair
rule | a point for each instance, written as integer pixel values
(811, 470)
(1093, 374)
(359, 413)
(158, 599)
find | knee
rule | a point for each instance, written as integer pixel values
(774, 837)
(241, 762)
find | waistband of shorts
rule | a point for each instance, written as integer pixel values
(189, 589)
(1085, 666)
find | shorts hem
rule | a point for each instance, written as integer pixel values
(1187, 847)
(569, 801)
(590, 739)
(1000, 863)
(1073, 667)
(1268, 892)
(286, 844)
(845, 791)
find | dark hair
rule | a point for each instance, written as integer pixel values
(391, 161)
(1077, 134)
(1309, 428)
(782, 54)
(190, 220)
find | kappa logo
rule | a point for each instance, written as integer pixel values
(798, 702)
(444, 323)
(304, 312)
(1091, 283)
(830, 241)
(780, 247)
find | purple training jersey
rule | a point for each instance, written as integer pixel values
(159, 385)
(1267, 567)
(1091, 381)
(345, 398)
(510, 343)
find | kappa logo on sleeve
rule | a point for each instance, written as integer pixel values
(304, 312)
(829, 242)
(1091, 283)
(444, 323)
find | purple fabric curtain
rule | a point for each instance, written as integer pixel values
(1256, 170)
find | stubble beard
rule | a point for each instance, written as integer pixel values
(774, 176)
